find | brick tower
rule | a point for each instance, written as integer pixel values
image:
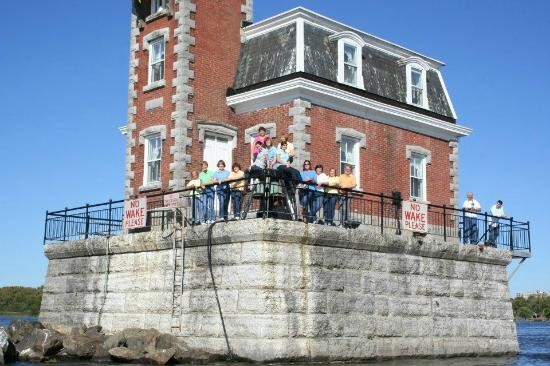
(183, 58)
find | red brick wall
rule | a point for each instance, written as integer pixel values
(158, 116)
(217, 47)
(216, 52)
(383, 163)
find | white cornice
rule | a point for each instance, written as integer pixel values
(288, 17)
(346, 102)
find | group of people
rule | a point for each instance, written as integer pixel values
(470, 227)
(315, 188)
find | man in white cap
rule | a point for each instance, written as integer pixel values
(472, 207)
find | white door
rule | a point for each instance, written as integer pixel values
(218, 147)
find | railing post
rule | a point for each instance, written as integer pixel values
(463, 226)
(529, 236)
(485, 229)
(382, 213)
(110, 217)
(45, 227)
(444, 223)
(511, 233)
(193, 212)
(65, 224)
(87, 227)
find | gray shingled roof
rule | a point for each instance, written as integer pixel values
(271, 56)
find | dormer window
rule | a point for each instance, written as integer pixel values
(415, 71)
(157, 6)
(350, 66)
(417, 89)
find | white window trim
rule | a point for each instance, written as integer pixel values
(215, 128)
(416, 63)
(147, 41)
(361, 138)
(143, 135)
(146, 183)
(356, 41)
(424, 178)
(426, 160)
(162, 60)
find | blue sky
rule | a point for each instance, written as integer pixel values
(64, 94)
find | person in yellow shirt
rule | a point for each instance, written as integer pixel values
(237, 189)
(347, 183)
(331, 196)
(196, 197)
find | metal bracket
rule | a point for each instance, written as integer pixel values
(516, 269)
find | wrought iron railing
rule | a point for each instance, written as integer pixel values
(268, 196)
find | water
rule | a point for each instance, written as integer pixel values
(534, 344)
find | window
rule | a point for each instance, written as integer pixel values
(157, 6)
(418, 176)
(153, 152)
(350, 64)
(156, 60)
(416, 87)
(349, 154)
(415, 74)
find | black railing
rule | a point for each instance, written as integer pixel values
(267, 195)
(103, 219)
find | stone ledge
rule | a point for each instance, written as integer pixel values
(270, 230)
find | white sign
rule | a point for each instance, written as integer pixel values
(135, 212)
(172, 200)
(415, 216)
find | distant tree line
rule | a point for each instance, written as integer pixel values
(23, 300)
(535, 306)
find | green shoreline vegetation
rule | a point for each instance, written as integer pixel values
(20, 300)
(533, 307)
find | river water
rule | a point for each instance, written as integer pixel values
(534, 345)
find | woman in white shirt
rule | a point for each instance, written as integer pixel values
(289, 148)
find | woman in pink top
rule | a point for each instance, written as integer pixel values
(262, 136)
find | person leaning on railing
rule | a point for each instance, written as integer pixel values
(331, 196)
(319, 194)
(237, 189)
(196, 197)
(472, 207)
(306, 193)
(347, 184)
(497, 211)
(207, 180)
(222, 189)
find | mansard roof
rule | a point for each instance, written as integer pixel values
(272, 52)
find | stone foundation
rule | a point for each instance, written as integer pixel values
(289, 291)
